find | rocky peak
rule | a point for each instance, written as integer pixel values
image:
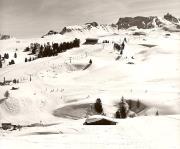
(4, 37)
(51, 32)
(94, 24)
(171, 18)
(139, 21)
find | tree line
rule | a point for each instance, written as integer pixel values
(48, 50)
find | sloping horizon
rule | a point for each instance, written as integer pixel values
(33, 18)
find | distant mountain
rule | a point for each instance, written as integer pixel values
(140, 22)
(4, 37)
(167, 23)
(171, 18)
(147, 22)
(94, 24)
(88, 29)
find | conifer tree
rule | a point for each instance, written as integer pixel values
(138, 104)
(0, 63)
(98, 106)
(15, 55)
(6, 94)
(7, 56)
(118, 114)
(157, 113)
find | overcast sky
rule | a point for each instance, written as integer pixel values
(33, 18)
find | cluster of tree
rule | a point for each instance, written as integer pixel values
(12, 62)
(48, 50)
(30, 59)
(34, 47)
(6, 55)
(26, 49)
(15, 81)
(137, 104)
(105, 41)
(123, 109)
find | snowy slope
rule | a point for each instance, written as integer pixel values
(56, 82)
(147, 80)
(137, 133)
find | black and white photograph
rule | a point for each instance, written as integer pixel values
(89, 74)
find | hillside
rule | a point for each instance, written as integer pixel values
(55, 94)
(137, 133)
(50, 75)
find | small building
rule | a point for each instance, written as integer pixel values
(139, 33)
(167, 35)
(14, 88)
(91, 41)
(99, 120)
(6, 126)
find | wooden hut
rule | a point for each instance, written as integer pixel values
(99, 120)
(91, 41)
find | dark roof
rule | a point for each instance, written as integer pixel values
(99, 120)
(91, 41)
(94, 40)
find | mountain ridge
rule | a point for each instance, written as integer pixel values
(167, 23)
